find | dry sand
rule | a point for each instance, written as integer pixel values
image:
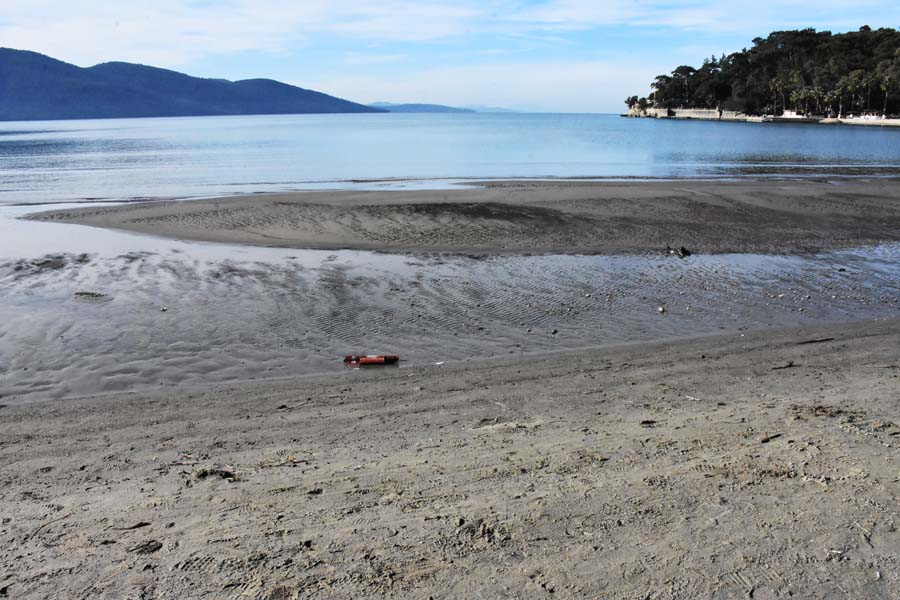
(727, 467)
(535, 217)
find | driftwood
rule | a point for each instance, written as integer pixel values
(818, 341)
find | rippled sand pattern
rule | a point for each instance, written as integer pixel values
(531, 218)
(82, 324)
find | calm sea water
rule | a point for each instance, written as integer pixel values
(182, 157)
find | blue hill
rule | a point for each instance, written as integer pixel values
(37, 87)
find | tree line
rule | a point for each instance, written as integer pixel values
(808, 71)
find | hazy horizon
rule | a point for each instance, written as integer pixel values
(550, 56)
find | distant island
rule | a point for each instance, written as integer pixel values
(37, 87)
(438, 108)
(419, 108)
(790, 75)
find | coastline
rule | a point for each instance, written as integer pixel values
(701, 467)
(733, 117)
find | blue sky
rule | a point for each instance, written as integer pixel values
(547, 55)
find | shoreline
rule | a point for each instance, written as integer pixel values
(446, 276)
(700, 115)
(645, 466)
(532, 217)
(175, 314)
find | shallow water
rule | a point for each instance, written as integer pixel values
(81, 309)
(64, 161)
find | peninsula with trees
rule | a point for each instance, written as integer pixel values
(790, 76)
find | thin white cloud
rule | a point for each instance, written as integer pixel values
(756, 17)
(178, 32)
(164, 32)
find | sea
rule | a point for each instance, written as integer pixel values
(124, 159)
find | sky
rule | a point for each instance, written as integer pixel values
(535, 55)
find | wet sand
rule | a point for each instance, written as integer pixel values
(544, 217)
(760, 466)
(88, 322)
(193, 314)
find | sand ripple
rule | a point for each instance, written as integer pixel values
(80, 324)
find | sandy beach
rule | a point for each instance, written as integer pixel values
(520, 217)
(578, 413)
(761, 465)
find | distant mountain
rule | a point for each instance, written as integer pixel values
(439, 108)
(419, 108)
(37, 87)
(489, 109)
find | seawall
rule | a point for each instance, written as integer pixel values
(698, 114)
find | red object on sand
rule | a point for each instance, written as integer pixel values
(372, 359)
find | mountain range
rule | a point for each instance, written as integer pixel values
(438, 108)
(37, 87)
(419, 108)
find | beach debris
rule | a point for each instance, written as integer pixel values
(769, 438)
(148, 547)
(91, 295)
(789, 365)
(131, 527)
(648, 423)
(439, 364)
(661, 309)
(164, 309)
(818, 341)
(353, 360)
(220, 473)
(680, 252)
(36, 531)
(314, 492)
(487, 425)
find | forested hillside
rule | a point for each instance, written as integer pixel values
(811, 72)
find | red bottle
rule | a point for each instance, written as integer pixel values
(372, 359)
